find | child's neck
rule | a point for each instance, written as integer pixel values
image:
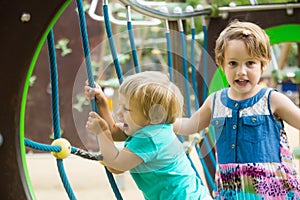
(242, 96)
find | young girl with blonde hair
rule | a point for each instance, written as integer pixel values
(149, 104)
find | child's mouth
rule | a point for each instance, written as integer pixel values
(242, 82)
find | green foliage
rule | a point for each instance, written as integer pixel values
(52, 134)
(86, 6)
(81, 101)
(292, 59)
(32, 81)
(247, 2)
(193, 3)
(113, 83)
(62, 45)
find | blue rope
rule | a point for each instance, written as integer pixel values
(133, 47)
(64, 178)
(86, 49)
(211, 137)
(204, 62)
(55, 108)
(54, 85)
(194, 78)
(56, 148)
(112, 44)
(169, 54)
(45, 147)
(205, 92)
(185, 73)
(194, 167)
(210, 180)
(194, 81)
(211, 156)
(50, 148)
(187, 90)
(42, 147)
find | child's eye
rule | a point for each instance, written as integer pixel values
(232, 63)
(125, 108)
(251, 62)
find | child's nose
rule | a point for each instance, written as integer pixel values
(241, 70)
(119, 114)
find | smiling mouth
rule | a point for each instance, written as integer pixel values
(242, 82)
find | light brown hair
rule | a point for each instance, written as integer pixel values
(160, 99)
(256, 40)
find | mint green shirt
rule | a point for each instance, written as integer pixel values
(166, 172)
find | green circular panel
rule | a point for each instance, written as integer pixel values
(284, 33)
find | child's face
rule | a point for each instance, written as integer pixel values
(242, 71)
(131, 115)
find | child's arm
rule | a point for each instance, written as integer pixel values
(103, 110)
(114, 171)
(197, 122)
(113, 158)
(285, 109)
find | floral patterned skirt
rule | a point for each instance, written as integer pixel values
(259, 180)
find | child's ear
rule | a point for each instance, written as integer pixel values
(263, 68)
(157, 114)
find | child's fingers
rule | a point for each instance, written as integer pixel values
(93, 114)
(120, 125)
(89, 92)
(97, 86)
(92, 123)
(88, 125)
(103, 124)
(88, 84)
(96, 125)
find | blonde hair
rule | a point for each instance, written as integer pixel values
(256, 40)
(160, 99)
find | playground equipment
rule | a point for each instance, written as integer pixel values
(29, 24)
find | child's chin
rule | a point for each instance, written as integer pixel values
(128, 133)
(125, 130)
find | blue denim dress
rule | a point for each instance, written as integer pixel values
(253, 155)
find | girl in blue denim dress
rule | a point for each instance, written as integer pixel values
(254, 160)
